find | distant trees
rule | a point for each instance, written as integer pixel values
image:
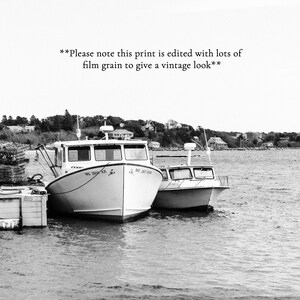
(4, 120)
(21, 120)
(11, 122)
(270, 138)
(175, 135)
(114, 121)
(159, 127)
(68, 121)
(32, 120)
(135, 127)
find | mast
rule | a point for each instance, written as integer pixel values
(78, 131)
(206, 144)
(207, 147)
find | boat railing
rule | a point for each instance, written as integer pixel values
(223, 180)
(42, 149)
(218, 181)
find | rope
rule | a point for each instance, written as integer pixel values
(82, 184)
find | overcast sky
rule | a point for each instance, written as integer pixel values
(258, 91)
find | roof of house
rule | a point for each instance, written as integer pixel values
(216, 140)
(122, 131)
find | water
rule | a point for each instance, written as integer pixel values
(248, 247)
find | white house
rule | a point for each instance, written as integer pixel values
(171, 124)
(154, 145)
(120, 134)
(19, 128)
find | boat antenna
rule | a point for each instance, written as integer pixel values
(78, 131)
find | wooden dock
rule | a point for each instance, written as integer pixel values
(23, 206)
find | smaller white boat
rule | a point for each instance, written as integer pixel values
(189, 186)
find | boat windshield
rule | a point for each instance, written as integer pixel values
(79, 153)
(181, 173)
(135, 152)
(108, 153)
(203, 173)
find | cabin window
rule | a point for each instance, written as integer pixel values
(135, 152)
(108, 153)
(204, 173)
(79, 153)
(164, 174)
(180, 174)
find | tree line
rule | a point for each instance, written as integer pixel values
(62, 127)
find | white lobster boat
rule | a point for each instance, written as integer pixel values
(107, 179)
(189, 186)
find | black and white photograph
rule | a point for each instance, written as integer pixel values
(149, 149)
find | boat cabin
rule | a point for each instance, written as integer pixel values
(188, 172)
(71, 156)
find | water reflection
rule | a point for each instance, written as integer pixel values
(183, 214)
(249, 245)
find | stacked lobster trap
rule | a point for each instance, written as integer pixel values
(12, 163)
(22, 200)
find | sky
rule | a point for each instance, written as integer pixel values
(256, 88)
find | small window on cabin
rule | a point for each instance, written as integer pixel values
(203, 173)
(135, 152)
(79, 153)
(164, 174)
(108, 153)
(180, 174)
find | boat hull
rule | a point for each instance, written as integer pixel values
(116, 192)
(186, 198)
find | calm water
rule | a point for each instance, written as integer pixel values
(248, 247)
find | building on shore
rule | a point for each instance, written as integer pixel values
(172, 124)
(154, 145)
(267, 145)
(21, 128)
(216, 143)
